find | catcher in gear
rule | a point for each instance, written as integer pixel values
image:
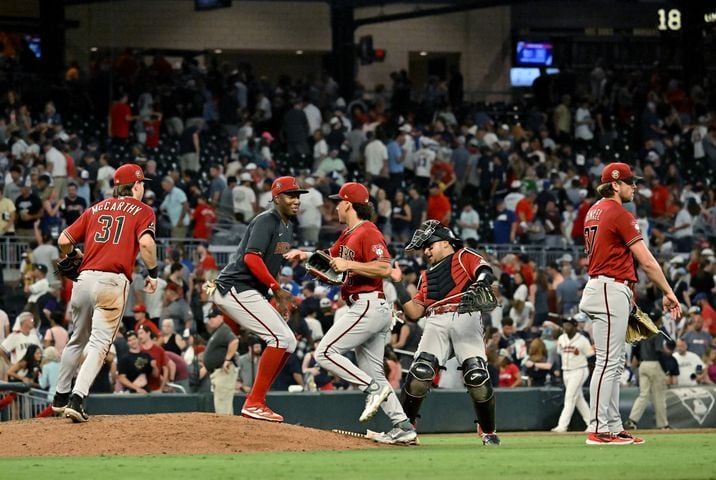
(453, 326)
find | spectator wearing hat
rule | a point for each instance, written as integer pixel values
(514, 196)
(141, 317)
(29, 209)
(84, 187)
(309, 212)
(40, 285)
(285, 279)
(509, 372)
(220, 362)
(697, 339)
(708, 314)
(690, 364)
(249, 364)
(244, 198)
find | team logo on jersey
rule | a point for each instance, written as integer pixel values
(282, 247)
(378, 249)
(615, 174)
(346, 253)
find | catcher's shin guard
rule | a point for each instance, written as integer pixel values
(477, 379)
(417, 383)
(485, 412)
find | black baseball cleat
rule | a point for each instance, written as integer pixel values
(75, 409)
(60, 402)
(490, 439)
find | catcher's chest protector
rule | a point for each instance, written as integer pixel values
(440, 279)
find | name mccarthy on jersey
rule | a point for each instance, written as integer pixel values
(125, 207)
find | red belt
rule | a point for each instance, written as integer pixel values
(443, 309)
(356, 296)
(628, 283)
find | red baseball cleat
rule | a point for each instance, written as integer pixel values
(636, 440)
(261, 412)
(607, 439)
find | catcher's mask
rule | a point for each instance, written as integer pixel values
(431, 231)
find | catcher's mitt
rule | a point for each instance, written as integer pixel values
(69, 266)
(478, 298)
(640, 326)
(319, 265)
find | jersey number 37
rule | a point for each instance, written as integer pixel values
(589, 234)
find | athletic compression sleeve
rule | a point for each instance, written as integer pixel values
(258, 268)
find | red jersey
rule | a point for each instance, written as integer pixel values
(118, 114)
(204, 217)
(157, 353)
(508, 375)
(609, 230)
(526, 208)
(436, 289)
(438, 207)
(362, 243)
(152, 129)
(659, 200)
(111, 230)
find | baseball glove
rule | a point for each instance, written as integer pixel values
(478, 298)
(319, 265)
(69, 266)
(640, 326)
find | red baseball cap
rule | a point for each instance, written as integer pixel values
(286, 184)
(139, 308)
(352, 192)
(128, 173)
(618, 171)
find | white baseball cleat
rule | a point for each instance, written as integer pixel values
(397, 436)
(373, 402)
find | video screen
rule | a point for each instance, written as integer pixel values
(524, 77)
(533, 54)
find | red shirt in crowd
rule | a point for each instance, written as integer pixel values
(204, 218)
(524, 210)
(151, 128)
(439, 207)
(157, 353)
(659, 199)
(120, 125)
(508, 375)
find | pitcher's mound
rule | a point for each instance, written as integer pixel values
(165, 434)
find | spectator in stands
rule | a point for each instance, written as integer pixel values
(29, 208)
(72, 206)
(56, 336)
(28, 368)
(400, 218)
(708, 314)
(7, 214)
(177, 308)
(169, 339)
(690, 364)
(136, 367)
(309, 212)
(296, 130)
(469, 223)
(696, 338)
(190, 147)
(244, 198)
(176, 207)
(249, 364)
(156, 383)
(14, 347)
(203, 219)
(702, 281)
(509, 372)
(537, 365)
(50, 371)
(418, 207)
(439, 207)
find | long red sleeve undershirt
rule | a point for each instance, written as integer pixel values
(257, 266)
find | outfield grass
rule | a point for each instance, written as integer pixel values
(524, 457)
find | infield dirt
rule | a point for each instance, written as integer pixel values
(165, 434)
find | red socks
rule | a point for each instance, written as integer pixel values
(272, 361)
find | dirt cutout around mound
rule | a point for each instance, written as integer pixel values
(165, 434)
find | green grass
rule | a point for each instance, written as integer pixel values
(554, 457)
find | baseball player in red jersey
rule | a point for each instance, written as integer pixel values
(242, 287)
(450, 273)
(612, 241)
(113, 232)
(361, 251)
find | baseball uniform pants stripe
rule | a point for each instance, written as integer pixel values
(338, 360)
(253, 312)
(608, 304)
(97, 304)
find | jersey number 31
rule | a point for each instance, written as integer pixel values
(108, 222)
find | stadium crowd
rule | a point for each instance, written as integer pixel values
(214, 138)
